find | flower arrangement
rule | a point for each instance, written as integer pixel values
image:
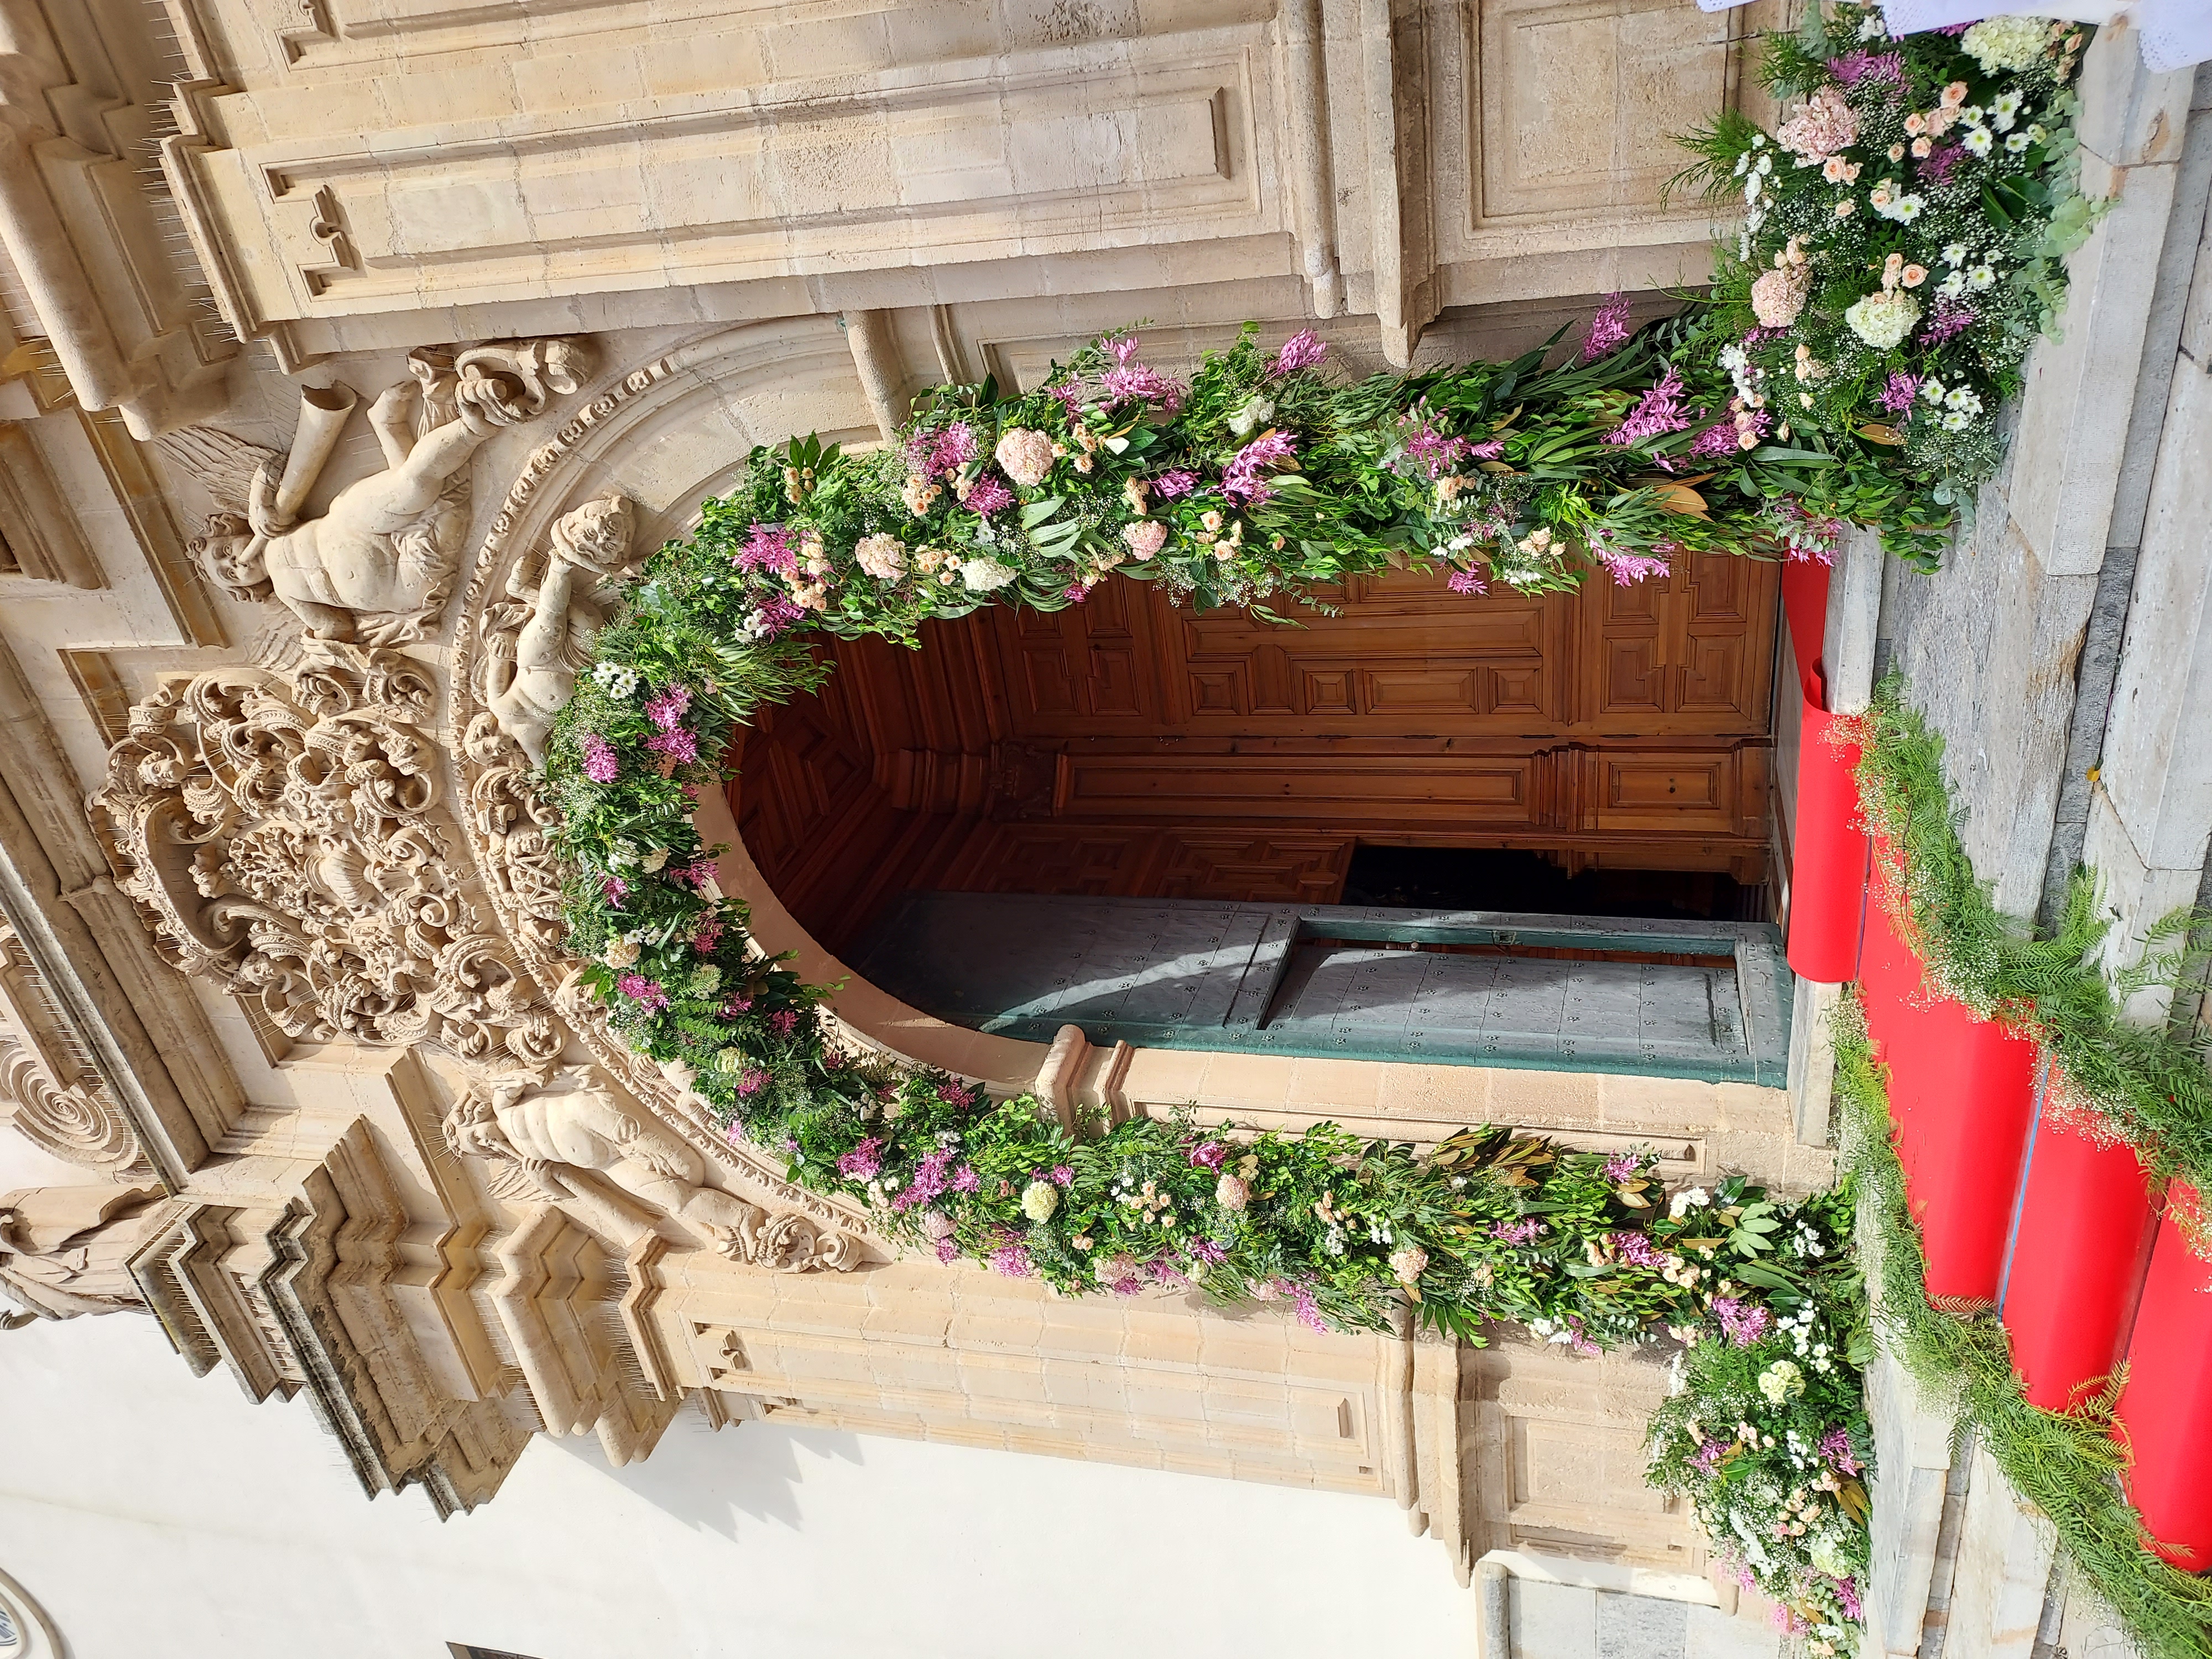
(1902, 231)
(1767, 1432)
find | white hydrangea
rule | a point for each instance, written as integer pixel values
(2007, 45)
(1039, 1200)
(1780, 1381)
(1690, 1198)
(1883, 319)
(985, 575)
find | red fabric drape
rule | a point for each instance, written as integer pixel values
(1827, 854)
(2165, 1413)
(1962, 1092)
(2078, 1255)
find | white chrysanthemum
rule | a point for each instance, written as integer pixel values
(1978, 142)
(883, 557)
(1689, 1198)
(1026, 455)
(618, 682)
(2007, 45)
(1883, 319)
(1039, 1200)
(985, 575)
(1255, 413)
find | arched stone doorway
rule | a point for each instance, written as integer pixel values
(1202, 830)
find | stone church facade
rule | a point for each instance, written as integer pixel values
(350, 342)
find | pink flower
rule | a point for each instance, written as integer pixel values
(737, 1007)
(1778, 296)
(1824, 126)
(666, 710)
(1012, 1260)
(1489, 450)
(1303, 350)
(680, 745)
(1638, 1251)
(1744, 1322)
(698, 876)
(1629, 568)
(707, 935)
(1658, 412)
(1176, 481)
(783, 1022)
(1241, 480)
(1608, 329)
(1063, 1175)
(864, 1162)
(1716, 442)
(645, 992)
(614, 890)
(1145, 536)
(767, 547)
(1432, 451)
(941, 455)
(601, 764)
(777, 614)
(964, 1179)
(1518, 1233)
(1622, 1166)
(1854, 67)
(947, 1250)
(1947, 317)
(1207, 1154)
(1465, 581)
(751, 1081)
(987, 496)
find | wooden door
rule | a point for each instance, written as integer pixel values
(1129, 746)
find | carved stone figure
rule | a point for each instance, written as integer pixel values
(65, 1250)
(530, 675)
(285, 836)
(558, 1143)
(553, 1136)
(376, 566)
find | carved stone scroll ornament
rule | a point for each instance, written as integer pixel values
(283, 836)
(570, 1143)
(48, 1092)
(377, 564)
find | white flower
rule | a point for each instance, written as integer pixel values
(1957, 421)
(1883, 319)
(1039, 1200)
(1751, 186)
(1953, 285)
(2016, 143)
(2004, 110)
(1689, 1198)
(618, 682)
(1871, 27)
(1779, 1382)
(1113, 1269)
(1980, 277)
(1254, 412)
(985, 575)
(1743, 164)
(1230, 1193)
(1409, 1263)
(1978, 141)
(1955, 254)
(1963, 397)
(621, 953)
(2037, 134)
(2006, 44)
(883, 557)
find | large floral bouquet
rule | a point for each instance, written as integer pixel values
(1902, 230)
(1766, 1434)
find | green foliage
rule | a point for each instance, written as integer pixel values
(2146, 1084)
(2065, 1464)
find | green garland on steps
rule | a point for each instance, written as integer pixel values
(2066, 1464)
(2146, 1084)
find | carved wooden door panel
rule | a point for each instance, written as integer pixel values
(1693, 655)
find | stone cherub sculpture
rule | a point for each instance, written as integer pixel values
(65, 1251)
(376, 566)
(563, 1139)
(531, 674)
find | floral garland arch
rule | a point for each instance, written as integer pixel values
(1897, 257)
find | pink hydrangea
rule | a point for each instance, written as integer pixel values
(1824, 126)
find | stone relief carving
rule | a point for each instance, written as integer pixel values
(65, 1251)
(529, 674)
(565, 1139)
(282, 833)
(377, 565)
(48, 1092)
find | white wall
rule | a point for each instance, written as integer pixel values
(153, 1514)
